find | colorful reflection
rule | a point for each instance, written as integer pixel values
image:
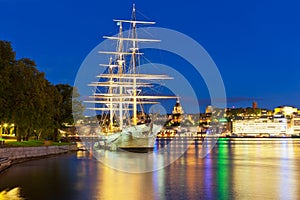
(223, 171)
(266, 169)
(234, 169)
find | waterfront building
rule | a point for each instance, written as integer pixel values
(205, 119)
(172, 126)
(295, 125)
(265, 114)
(261, 127)
(214, 117)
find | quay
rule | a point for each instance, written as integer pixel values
(4, 163)
(13, 155)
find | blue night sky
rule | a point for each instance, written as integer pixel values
(255, 44)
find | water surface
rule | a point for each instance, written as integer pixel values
(235, 169)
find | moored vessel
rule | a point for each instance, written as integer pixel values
(121, 93)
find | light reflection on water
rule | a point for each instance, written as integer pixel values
(235, 169)
(166, 152)
(11, 194)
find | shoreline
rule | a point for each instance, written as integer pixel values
(14, 155)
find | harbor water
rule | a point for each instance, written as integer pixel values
(234, 169)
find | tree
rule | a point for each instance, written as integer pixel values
(68, 107)
(77, 106)
(7, 61)
(30, 101)
(65, 91)
(27, 95)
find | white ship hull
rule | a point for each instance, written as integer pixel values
(134, 138)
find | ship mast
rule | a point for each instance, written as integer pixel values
(123, 82)
(121, 62)
(110, 100)
(134, 49)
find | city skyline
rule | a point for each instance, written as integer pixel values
(254, 45)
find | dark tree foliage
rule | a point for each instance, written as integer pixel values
(29, 100)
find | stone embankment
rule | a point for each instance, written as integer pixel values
(4, 163)
(12, 155)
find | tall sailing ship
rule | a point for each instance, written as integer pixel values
(120, 93)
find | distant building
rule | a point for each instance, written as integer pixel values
(209, 109)
(295, 125)
(258, 127)
(173, 124)
(177, 112)
(264, 113)
(214, 118)
(287, 111)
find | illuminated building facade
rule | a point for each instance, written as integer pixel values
(177, 113)
(295, 124)
(287, 111)
(260, 127)
(173, 124)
